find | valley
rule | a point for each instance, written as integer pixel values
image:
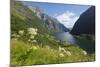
(37, 38)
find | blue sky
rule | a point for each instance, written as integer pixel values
(51, 8)
(67, 14)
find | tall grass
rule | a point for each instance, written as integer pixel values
(32, 54)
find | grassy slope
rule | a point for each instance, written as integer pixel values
(24, 53)
(27, 54)
(22, 18)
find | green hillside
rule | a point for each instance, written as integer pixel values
(31, 43)
(23, 18)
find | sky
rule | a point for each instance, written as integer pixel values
(66, 14)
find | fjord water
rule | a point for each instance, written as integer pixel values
(85, 44)
(66, 36)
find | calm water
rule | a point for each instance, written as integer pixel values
(85, 44)
(66, 36)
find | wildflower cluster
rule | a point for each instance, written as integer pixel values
(32, 32)
(29, 35)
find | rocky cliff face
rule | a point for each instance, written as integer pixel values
(23, 17)
(50, 22)
(86, 23)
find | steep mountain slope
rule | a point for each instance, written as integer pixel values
(31, 43)
(22, 18)
(86, 23)
(50, 22)
(32, 16)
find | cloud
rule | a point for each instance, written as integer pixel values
(67, 18)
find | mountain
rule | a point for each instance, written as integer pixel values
(86, 23)
(23, 17)
(50, 22)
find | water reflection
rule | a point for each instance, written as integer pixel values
(85, 44)
(66, 36)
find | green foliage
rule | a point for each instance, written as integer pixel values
(87, 42)
(27, 54)
(46, 48)
(22, 18)
(17, 24)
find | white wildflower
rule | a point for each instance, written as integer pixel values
(68, 53)
(17, 36)
(35, 33)
(21, 32)
(84, 52)
(36, 30)
(61, 55)
(15, 39)
(31, 37)
(34, 41)
(29, 40)
(32, 31)
(34, 47)
(13, 35)
(61, 49)
(64, 51)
